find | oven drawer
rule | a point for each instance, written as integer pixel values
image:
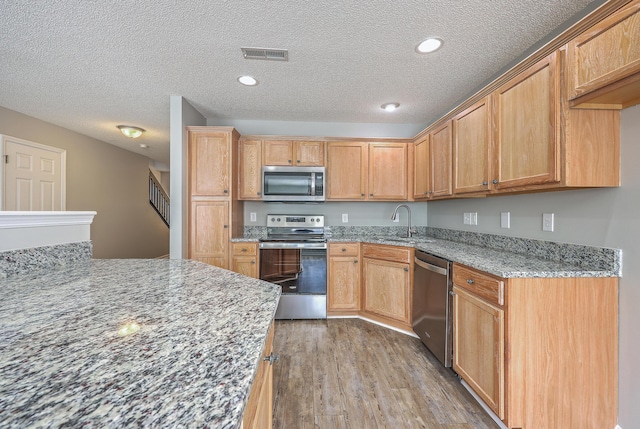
(344, 249)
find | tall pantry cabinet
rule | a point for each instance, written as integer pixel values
(215, 214)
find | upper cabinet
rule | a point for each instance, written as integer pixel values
(250, 170)
(388, 163)
(347, 170)
(440, 161)
(471, 149)
(293, 153)
(421, 168)
(604, 62)
(527, 132)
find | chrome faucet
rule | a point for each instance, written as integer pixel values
(410, 231)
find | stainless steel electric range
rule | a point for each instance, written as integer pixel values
(294, 255)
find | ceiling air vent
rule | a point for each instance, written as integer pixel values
(265, 54)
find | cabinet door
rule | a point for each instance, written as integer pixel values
(209, 163)
(309, 154)
(346, 170)
(388, 171)
(478, 345)
(605, 54)
(421, 169)
(209, 232)
(440, 159)
(277, 152)
(250, 181)
(258, 413)
(527, 127)
(344, 283)
(245, 265)
(386, 289)
(471, 131)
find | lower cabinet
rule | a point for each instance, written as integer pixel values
(540, 352)
(244, 259)
(209, 232)
(387, 284)
(259, 411)
(343, 289)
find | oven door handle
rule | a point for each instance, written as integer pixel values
(267, 245)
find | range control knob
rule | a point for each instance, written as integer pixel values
(278, 219)
(312, 220)
(273, 219)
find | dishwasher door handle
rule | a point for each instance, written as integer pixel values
(430, 267)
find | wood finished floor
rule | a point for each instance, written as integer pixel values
(352, 374)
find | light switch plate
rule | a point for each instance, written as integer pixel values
(548, 222)
(253, 217)
(474, 218)
(345, 217)
(505, 220)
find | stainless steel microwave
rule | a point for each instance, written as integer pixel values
(293, 183)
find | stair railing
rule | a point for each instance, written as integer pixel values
(158, 199)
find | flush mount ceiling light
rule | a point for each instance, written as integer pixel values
(390, 107)
(429, 45)
(247, 80)
(132, 132)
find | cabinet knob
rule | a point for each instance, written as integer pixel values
(406, 269)
(485, 183)
(253, 262)
(362, 195)
(344, 249)
(226, 191)
(271, 358)
(259, 193)
(470, 281)
(494, 181)
(371, 195)
(226, 226)
(289, 161)
(244, 249)
(355, 261)
(297, 160)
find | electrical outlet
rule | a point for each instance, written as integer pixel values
(466, 219)
(548, 222)
(474, 218)
(253, 217)
(345, 217)
(505, 220)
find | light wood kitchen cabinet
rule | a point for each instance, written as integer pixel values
(440, 161)
(388, 284)
(258, 413)
(293, 153)
(215, 214)
(387, 174)
(526, 345)
(343, 291)
(244, 259)
(471, 149)
(421, 168)
(478, 340)
(347, 170)
(250, 170)
(603, 63)
(527, 127)
(209, 232)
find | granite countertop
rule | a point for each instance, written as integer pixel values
(534, 258)
(63, 361)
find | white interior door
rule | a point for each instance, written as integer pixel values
(34, 176)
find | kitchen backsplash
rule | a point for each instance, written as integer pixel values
(21, 261)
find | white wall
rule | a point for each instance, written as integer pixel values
(182, 114)
(602, 217)
(359, 214)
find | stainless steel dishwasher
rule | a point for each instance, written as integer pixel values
(433, 305)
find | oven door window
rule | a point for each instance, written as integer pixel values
(287, 184)
(299, 271)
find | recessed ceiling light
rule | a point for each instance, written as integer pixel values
(429, 45)
(130, 131)
(390, 107)
(247, 80)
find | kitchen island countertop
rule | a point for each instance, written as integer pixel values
(70, 354)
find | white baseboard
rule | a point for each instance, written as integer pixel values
(484, 406)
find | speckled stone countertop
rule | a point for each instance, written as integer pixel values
(507, 257)
(63, 362)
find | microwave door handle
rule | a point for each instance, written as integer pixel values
(313, 184)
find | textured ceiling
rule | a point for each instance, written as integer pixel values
(90, 65)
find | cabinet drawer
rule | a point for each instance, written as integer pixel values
(486, 286)
(387, 253)
(344, 249)
(244, 248)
